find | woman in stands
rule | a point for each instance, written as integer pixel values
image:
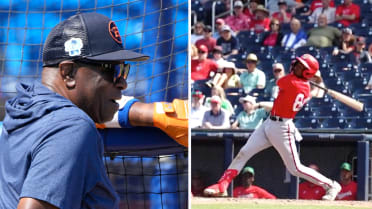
(229, 78)
(346, 44)
(273, 37)
(225, 103)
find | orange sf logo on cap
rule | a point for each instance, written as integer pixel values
(114, 32)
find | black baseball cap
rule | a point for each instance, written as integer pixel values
(89, 36)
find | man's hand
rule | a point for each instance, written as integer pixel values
(172, 118)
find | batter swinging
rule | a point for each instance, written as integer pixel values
(279, 131)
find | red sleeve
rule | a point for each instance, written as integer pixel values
(312, 6)
(213, 66)
(263, 194)
(267, 23)
(236, 191)
(332, 3)
(356, 9)
(339, 10)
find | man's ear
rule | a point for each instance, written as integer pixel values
(68, 72)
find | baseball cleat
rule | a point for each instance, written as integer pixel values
(214, 191)
(332, 191)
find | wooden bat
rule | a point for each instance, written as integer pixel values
(355, 104)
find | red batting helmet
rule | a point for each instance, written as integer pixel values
(310, 63)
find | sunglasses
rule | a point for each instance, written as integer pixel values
(201, 52)
(277, 70)
(121, 70)
(274, 23)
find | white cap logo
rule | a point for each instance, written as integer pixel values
(73, 46)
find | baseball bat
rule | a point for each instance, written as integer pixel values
(355, 104)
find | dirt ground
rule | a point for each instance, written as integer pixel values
(201, 200)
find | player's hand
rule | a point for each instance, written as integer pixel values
(172, 118)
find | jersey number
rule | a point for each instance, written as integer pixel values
(299, 102)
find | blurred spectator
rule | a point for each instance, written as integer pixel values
(216, 118)
(325, 9)
(251, 7)
(323, 35)
(194, 52)
(347, 13)
(228, 42)
(198, 32)
(197, 184)
(315, 91)
(272, 5)
(260, 21)
(316, 4)
(218, 57)
(348, 186)
(346, 43)
(218, 26)
(197, 109)
(271, 89)
(253, 113)
(202, 67)
(238, 21)
(208, 40)
(361, 55)
(310, 191)
(296, 38)
(273, 37)
(282, 15)
(252, 78)
(247, 189)
(225, 103)
(229, 77)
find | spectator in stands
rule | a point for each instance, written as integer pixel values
(228, 42)
(251, 7)
(225, 103)
(347, 13)
(216, 118)
(198, 32)
(208, 40)
(317, 4)
(271, 89)
(248, 190)
(323, 35)
(218, 28)
(229, 77)
(272, 5)
(325, 9)
(361, 55)
(197, 109)
(253, 113)
(218, 57)
(273, 37)
(252, 78)
(310, 191)
(348, 186)
(369, 84)
(202, 68)
(296, 38)
(238, 21)
(282, 15)
(346, 43)
(261, 20)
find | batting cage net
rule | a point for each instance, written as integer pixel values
(155, 28)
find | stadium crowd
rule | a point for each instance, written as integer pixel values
(235, 64)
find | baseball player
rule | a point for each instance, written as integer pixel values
(279, 131)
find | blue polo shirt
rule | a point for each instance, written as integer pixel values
(50, 150)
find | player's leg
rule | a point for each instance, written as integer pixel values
(282, 137)
(256, 142)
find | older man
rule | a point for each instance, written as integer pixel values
(252, 78)
(51, 152)
(325, 9)
(323, 35)
(239, 21)
(296, 38)
(228, 42)
(272, 89)
(216, 118)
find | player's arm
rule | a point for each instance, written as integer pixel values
(266, 105)
(172, 118)
(30, 203)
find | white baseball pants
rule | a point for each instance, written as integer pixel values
(282, 135)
